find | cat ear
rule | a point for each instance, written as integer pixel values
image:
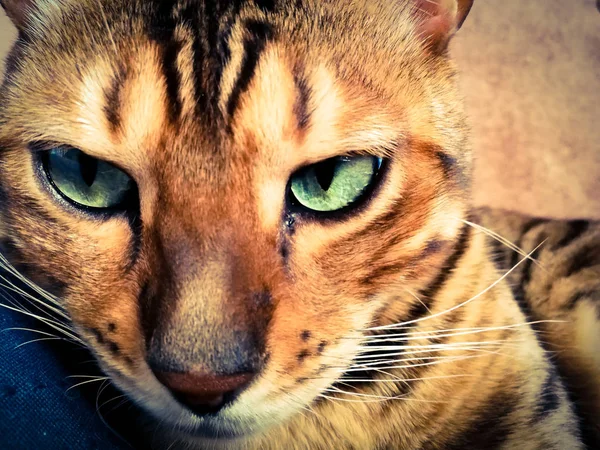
(18, 11)
(438, 20)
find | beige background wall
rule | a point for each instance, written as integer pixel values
(531, 77)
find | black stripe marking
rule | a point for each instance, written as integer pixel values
(549, 400)
(98, 335)
(114, 348)
(417, 311)
(303, 96)
(572, 302)
(149, 311)
(448, 163)
(135, 248)
(527, 227)
(302, 355)
(259, 33)
(172, 79)
(429, 293)
(420, 308)
(222, 52)
(520, 291)
(433, 247)
(576, 229)
(305, 335)
(588, 256)
(211, 25)
(491, 427)
(134, 218)
(498, 254)
(112, 99)
(161, 22)
(213, 15)
(266, 5)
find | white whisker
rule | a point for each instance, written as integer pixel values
(434, 333)
(491, 286)
(409, 366)
(39, 340)
(502, 240)
(94, 380)
(49, 322)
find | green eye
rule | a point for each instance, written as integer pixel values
(336, 183)
(87, 181)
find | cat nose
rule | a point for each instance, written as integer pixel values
(205, 393)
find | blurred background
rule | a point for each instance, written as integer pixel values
(531, 78)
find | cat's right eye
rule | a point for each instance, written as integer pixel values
(86, 181)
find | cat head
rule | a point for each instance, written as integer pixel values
(227, 196)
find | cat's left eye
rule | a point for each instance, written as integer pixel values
(86, 181)
(334, 184)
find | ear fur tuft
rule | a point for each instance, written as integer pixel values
(18, 11)
(439, 20)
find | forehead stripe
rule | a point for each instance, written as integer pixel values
(258, 34)
(113, 99)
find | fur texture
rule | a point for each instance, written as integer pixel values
(386, 327)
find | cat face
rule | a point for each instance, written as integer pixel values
(227, 196)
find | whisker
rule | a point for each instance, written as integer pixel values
(419, 300)
(403, 360)
(113, 399)
(502, 240)
(101, 389)
(54, 307)
(88, 376)
(379, 400)
(30, 330)
(435, 332)
(94, 380)
(449, 310)
(372, 348)
(40, 340)
(450, 333)
(49, 322)
(409, 366)
(364, 356)
(404, 380)
(358, 394)
(7, 266)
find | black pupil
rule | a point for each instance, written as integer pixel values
(325, 172)
(88, 167)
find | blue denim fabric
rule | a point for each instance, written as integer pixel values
(36, 412)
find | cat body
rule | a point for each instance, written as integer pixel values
(256, 215)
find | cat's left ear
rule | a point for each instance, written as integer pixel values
(439, 20)
(18, 11)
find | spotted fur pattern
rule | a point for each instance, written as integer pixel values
(390, 327)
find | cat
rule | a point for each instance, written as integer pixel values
(256, 214)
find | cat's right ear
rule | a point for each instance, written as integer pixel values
(18, 11)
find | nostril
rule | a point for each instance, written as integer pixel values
(204, 393)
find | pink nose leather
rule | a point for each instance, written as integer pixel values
(203, 392)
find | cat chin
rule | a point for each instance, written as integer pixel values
(252, 415)
(229, 428)
(166, 438)
(215, 433)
